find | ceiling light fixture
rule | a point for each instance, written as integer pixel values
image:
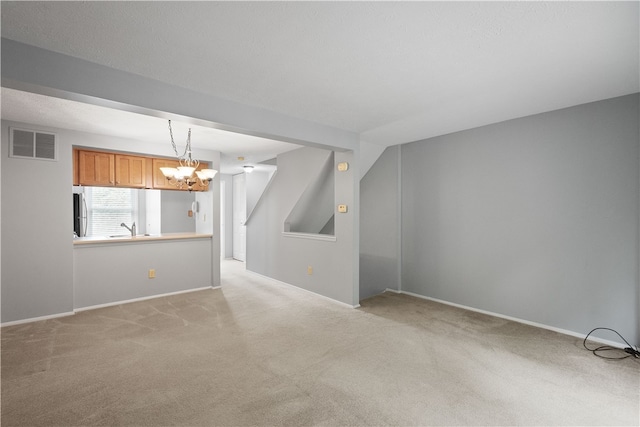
(183, 174)
(248, 169)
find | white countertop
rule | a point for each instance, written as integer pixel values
(140, 238)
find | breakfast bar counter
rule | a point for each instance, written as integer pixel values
(125, 238)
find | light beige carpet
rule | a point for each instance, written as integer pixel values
(260, 353)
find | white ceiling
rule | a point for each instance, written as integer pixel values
(393, 72)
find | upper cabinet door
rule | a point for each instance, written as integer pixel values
(96, 168)
(130, 171)
(159, 180)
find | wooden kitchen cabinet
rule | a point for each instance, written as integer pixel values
(102, 169)
(109, 169)
(130, 171)
(96, 168)
(159, 181)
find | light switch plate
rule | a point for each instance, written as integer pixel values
(343, 166)
(342, 208)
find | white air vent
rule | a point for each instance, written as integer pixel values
(31, 144)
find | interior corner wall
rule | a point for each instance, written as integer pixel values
(227, 181)
(37, 258)
(286, 258)
(256, 182)
(379, 219)
(534, 218)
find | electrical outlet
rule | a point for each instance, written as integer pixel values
(309, 270)
(152, 273)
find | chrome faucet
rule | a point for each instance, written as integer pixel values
(132, 229)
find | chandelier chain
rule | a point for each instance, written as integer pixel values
(173, 144)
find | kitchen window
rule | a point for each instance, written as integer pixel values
(108, 207)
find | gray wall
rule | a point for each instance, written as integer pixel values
(285, 258)
(534, 218)
(37, 232)
(379, 225)
(175, 206)
(109, 273)
(256, 182)
(315, 206)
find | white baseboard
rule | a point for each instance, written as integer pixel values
(37, 319)
(304, 290)
(111, 304)
(514, 319)
(93, 307)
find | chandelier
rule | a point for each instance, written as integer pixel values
(183, 175)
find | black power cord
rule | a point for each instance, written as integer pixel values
(630, 350)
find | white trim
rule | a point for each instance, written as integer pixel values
(37, 319)
(515, 319)
(111, 304)
(304, 290)
(310, 236)
(395, 291)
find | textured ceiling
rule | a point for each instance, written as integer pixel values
(393, 72)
